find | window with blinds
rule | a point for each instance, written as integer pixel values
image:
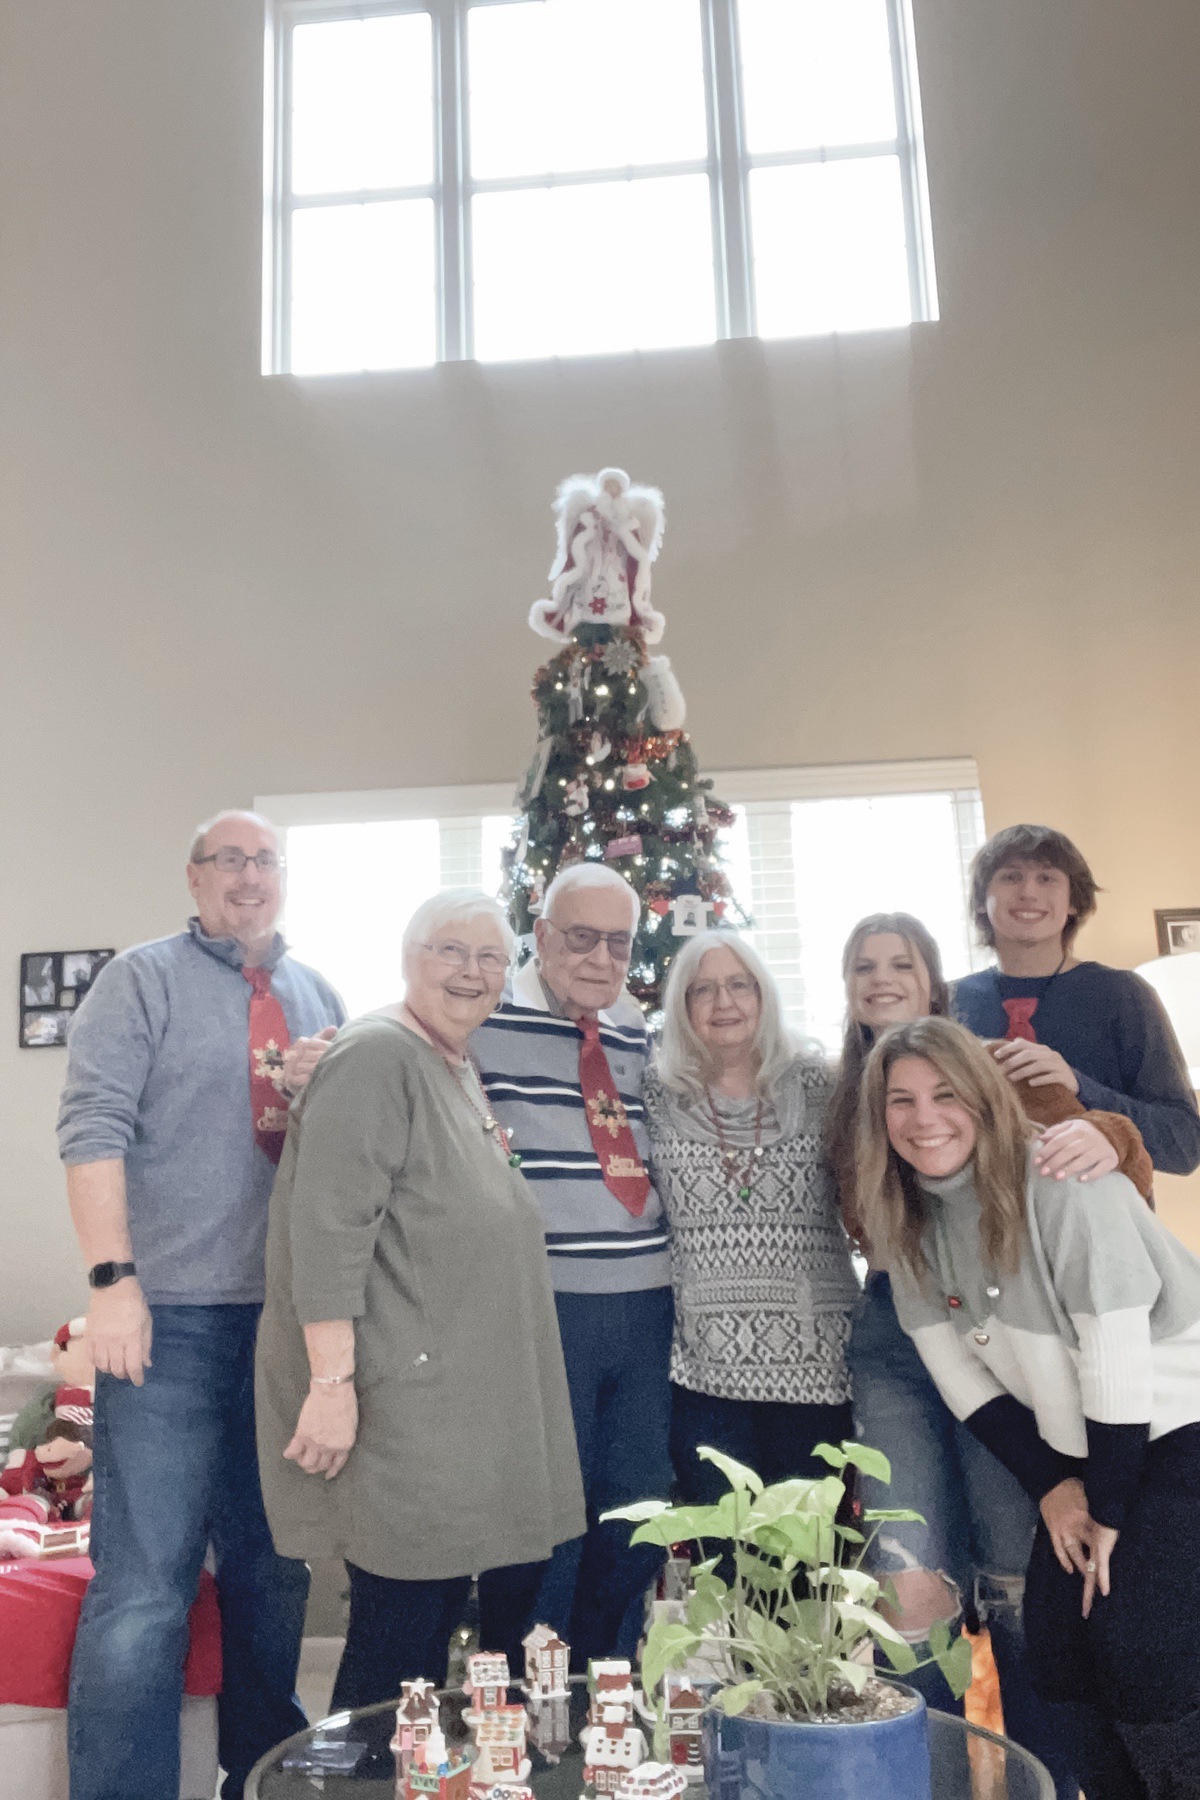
(812, 850)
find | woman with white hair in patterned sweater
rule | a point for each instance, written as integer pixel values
(1061, 1323)
(764, 1287)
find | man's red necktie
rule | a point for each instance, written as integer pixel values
(608, 1123)
(1020, 1018)
(269, 1039)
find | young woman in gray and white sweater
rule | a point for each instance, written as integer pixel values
(1061, 1323)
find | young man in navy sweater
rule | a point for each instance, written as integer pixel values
(1100, 1032)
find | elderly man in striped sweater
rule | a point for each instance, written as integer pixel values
(564, 1075)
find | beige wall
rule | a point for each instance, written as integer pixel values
(980, 537)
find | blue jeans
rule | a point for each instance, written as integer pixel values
(176, 1466)
(979, 1521)
(616, 1348)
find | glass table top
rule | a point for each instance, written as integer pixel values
(349, 1753)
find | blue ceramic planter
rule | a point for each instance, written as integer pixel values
(751, 1759)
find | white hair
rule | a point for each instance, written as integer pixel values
(589, 875)
(682, 1061)
(455, 906)
(229, 812)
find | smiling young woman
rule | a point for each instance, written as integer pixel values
(1061, 1323)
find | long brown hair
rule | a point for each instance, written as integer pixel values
(894, 1207)
(842, 1117)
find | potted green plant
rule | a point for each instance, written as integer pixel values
(795, 1709)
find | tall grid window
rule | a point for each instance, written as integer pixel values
(811, 851)
(507, 179)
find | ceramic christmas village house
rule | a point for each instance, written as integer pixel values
(416, 1716)
(611, 1749)
(434, 1771)
(486, 1686)
(500, 1759)
(610, 1683)
(652, 1781)
(547, 1660)
(684, 1708)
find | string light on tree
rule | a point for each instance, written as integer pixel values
(602, 623)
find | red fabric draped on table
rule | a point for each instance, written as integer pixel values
(39, 1614)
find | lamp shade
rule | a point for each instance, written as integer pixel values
(1176, 980)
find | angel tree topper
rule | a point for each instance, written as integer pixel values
(609, 533)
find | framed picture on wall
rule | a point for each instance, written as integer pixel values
(1178, 930)
(53, 984)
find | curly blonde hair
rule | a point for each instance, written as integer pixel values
(893, 1205)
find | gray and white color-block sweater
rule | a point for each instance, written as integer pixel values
(1092, 1348)
(529, 1059)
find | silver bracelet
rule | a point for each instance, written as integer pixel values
(330, 1380)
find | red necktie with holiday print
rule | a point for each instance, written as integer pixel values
(608, 1123)
(269, 1039)
(1020, 1018)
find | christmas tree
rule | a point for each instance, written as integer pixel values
(614, 775)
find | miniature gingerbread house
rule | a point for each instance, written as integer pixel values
(416, 1716)
(546, 1664)
(500, 1759)
(611, 1749)
(610, 1684)
(487, 1680)
(652, 1781)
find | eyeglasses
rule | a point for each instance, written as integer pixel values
(231, 861)
(581, 939)
(457, 956)
(738, 987)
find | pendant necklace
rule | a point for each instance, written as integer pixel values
(739, 1178)
(955, 1301)
(466, 1071)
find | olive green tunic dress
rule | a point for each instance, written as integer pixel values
(393, 1207)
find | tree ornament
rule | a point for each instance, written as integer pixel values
(622, 846)
(690, 915)
(622, 656)
(577, 800)
(665, 704)
(660, 905)
(535, 775)
(599, 747)
(609, 533)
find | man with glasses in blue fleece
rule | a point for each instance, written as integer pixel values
(563, 1071)
(180, 1065)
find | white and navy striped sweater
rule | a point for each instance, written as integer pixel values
(1090, 1350)
(529, 1060)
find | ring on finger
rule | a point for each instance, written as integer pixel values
(1091, 1568)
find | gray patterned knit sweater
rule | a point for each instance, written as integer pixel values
(764, 1287)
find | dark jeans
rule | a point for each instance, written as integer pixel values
(773, 1437)
(176, 1467)
(616, 1349)
(1133, 1667)
(399, 1630)
(976, 1523)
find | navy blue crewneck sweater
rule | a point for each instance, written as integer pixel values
(1110, 1026)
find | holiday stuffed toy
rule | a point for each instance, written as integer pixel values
(48, 1477)
(609, 533)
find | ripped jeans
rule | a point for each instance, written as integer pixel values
(979, 1522)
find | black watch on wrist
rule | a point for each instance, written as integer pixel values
(109, 1273)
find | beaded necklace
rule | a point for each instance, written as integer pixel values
(739, 1178)
(466, 1071)
(954, 1300)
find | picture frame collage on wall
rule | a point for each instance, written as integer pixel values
(1178, 929)
(53, 984)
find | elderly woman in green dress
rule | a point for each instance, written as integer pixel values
(413, 1409)
(764, 1286)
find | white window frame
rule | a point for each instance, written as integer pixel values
(728, 165)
